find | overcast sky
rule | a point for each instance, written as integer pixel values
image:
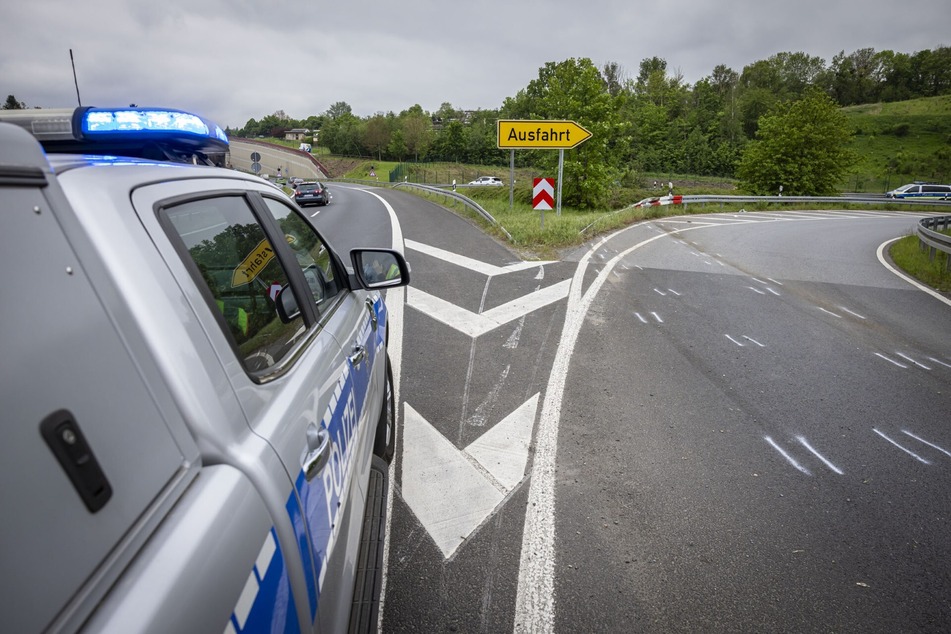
(233, 60)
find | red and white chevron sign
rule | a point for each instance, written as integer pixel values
(543, 193)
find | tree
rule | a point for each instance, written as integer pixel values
(377, 135)
(339, 109)
(13, 104)
(801, 146)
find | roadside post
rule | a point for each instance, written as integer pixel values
(540, 135)
(543, 190)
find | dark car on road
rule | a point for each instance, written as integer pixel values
(311, 194)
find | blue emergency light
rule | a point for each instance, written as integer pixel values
(121, 131)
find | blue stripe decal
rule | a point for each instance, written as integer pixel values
(266, 604)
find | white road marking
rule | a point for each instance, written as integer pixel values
(788, 458)
(657, 317)
(910, 360)
(915, 283)
(739, 343)
(396, 298)
(892, 361)
(503, 450)
(535, 598)
(490, 270)
(639, 316)
(754, 341)
(907, 451)
(660, 292)
(756, 290)
(448, 493)
(829, 312)
(939, 362)
(825, 461)
(430, 461)
(854, 314)
(476, 324)
(932, 445)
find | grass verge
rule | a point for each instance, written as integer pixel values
(908, 256)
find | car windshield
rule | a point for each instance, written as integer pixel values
(308, 187)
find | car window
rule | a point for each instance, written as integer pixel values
(312, 254)
(240, 269)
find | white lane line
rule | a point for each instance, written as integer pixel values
(774, 281)
(932, 445)
(535, 597)
(739, 343)
(774, 292)
(670, 290)
(910, 360)
(829, 312)
(915, 283)
(641, 317)
(785, 455)
(907, 451)
(853, 313)
(756, 290)
(754, 341)
(939, 362)
(395, 300)
(660, 292)
(657, 317)
(826, 462)
(892, 361)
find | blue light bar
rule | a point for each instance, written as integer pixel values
(142, 123)
(128, 131)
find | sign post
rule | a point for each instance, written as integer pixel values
(541, 135)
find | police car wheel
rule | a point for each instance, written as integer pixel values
(385, 443)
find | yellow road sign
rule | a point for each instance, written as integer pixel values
(252, 266)
(540, 135)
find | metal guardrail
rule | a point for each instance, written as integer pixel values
(850, 199)
(928, 237)
(468, 202)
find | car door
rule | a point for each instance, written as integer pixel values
(340, 386)
(299, 388)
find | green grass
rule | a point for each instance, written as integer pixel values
(900, 143)
(907, 255)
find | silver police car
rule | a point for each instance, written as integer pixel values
(198, 405)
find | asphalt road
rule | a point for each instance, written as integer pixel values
(730, 423)
(766, 447)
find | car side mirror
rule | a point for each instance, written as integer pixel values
(286, 304)
(379, 268)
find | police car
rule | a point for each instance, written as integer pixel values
(921, 190)
(198, 406)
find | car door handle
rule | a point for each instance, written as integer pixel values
(358, 354)
(318, 451)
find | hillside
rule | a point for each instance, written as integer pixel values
(900, 142)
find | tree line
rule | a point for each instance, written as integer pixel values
(756, 125)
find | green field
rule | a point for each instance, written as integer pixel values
(899, 143)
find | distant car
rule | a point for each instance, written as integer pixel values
(311, 194)
(488, 180)
(921, 190)
(294, 182)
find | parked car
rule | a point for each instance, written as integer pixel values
(313, 193)
(488, 180)
(921, 190)
(198, 406)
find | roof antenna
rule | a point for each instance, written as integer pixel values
(75, 81)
